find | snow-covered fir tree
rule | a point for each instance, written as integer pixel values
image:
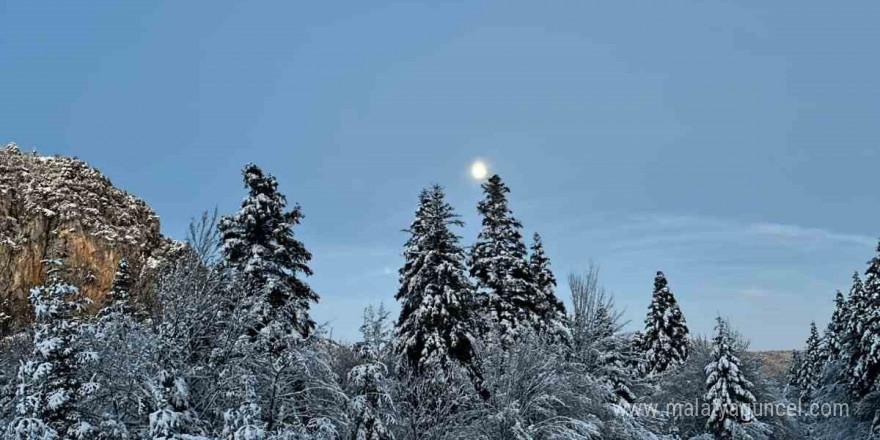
(56, 380)
(498, 263)
(665, 339)
(245, 422)
(434, 329)
(371, 404)
(615, 355)
(810, 370)
(834, 334)
(119, 295)
(794, 365)
(5, 316)
(259, 246)
(378, 334)
(856, 304)
(727, 390)
(294, 386)
(173, 418)
(865, 362)
(854, 323)
(550, 308)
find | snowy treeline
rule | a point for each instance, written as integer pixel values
(221, 345)
(842, 365)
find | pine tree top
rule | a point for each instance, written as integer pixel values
(834, 333)
(813, 358)
(540, 263)
(721, 345)
(813, 339)
(855, 305)
(872, 275)
(500, 228)
(259, 246)
(550, 308)
(663, 302)
(261, 231)
(857, 286)
(666, 337)
(119, 295)
(839, 314)
(435, 322)
(120, 289)
(727, 388)
(55, 299)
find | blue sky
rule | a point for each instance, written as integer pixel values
(732, 144)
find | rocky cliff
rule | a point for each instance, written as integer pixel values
(60, 206)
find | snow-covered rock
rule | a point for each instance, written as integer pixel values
(62, 205)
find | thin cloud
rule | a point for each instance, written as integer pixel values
(649, 230)
(809, 234)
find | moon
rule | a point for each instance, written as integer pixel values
(479, 170)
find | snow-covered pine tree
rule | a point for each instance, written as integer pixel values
(728, 391)
(119, 296)
(173, 418)
(856, 303)
(434, 329)
(54, 383)
(614, 355)
(854, 319)
(872, 275)
(794, 365)
(552, 311)
(834, 334)
(637, 344)
(371, 408)
(665, 339)
(377, 332)
(259, 246)
(498, 262)
(246, 422)
(5, 317)
(866, 367)
(810, 370)
(371, 412)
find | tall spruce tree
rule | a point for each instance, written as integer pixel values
(434, 329)
(55, 381)
(727, 390)
(615, 355)
(866, 367)
(794, 365)
(856, 304)
(498, 262)
(119, 295)
(808, 374)
(551, 309)
(245, 422)
(371, 411)
(259, 246)
(854, 319)
(665, 340)
(173, 419)
(834, 334)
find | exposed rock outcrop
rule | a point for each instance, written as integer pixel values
(60, 206)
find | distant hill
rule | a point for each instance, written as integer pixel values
(775, 362)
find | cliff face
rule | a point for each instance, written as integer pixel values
(51, 206)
